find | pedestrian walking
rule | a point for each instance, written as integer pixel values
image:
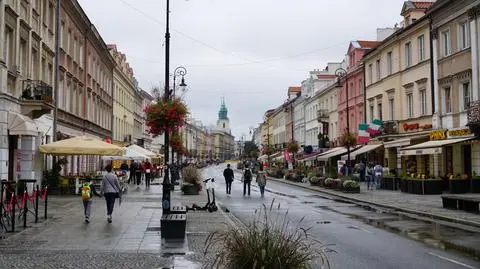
(133, 168)
(261, 180)
(247, 180)
(88, 191)
(110, 188)
(361, 170)
(148, 173)
(378, 173)
(138, 173)
(228, 175)
(369, 176)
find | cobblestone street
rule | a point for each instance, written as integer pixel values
(131, 241)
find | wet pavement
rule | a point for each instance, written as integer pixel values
(345, 227)
(132, 241)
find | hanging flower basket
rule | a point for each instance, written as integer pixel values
(292, 147)
(166, 116)
(348, 140)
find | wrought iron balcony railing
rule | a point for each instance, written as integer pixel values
(37, 90)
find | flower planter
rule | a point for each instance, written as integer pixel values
(433, 186)
(475, 186)
(459, 186)
(351, 190)
(409, 184)
(403, 185)
(388, 183)
(189, 189)
(417, 187)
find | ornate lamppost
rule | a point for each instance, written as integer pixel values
(342, 74)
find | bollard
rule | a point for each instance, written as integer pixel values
(46, 201)
(25, 209)
(13, 212)
(36, 204)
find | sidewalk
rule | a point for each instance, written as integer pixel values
(424, 205)
(64, 239)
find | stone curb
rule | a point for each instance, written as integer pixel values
(363, 202)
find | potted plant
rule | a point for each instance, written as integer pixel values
(433, 185)
(351, 186)
(192, 183)
(475, 183)
(329, 184)
(165, 115)
(314, 181)
(458, 184)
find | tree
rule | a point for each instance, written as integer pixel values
(250, 149)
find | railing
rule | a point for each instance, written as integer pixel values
(37, 90)
(322, 115)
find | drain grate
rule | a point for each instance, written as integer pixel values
(324, 222)
(306, 202)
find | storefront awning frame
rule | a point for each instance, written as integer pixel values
(362, 150)
(432, 147)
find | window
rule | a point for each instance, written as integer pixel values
(389, 63)
(421, 48)
(379, 111)
(410, 105)
(391, 108)
(467, 95)
(377, 68)
(423, 102)
(62, 34)
(408, 55)
(448, 99)
(9, 52)
(370, 73)
(464, 35)
(371, 113)
(447, 50)
(80, 55)
(23, 57)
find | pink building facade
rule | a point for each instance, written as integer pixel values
(356, 87)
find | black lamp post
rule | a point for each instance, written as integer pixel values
(179, 71)
(342, 74)
(167, 185)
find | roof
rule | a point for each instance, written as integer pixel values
(364, 44)
(417, 5)
(294, 89)
(423, 5)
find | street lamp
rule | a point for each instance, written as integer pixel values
(167, 185)
(342, 74)
(179, 71)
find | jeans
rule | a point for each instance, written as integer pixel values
(378, 179)
(110, 199)
(131, 177)
(245, 183)
(229, 186)
(262, 190)
(87, 208)
(147, 180)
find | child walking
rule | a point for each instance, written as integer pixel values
(88, 191)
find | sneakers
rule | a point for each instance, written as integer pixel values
(87, 220)
(109, 218)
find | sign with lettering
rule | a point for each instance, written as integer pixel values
(459, 132)
(438, 135)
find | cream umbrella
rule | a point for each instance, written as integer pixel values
(81, 145)
(129, 154)
(142, 151)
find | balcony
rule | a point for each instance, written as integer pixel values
(473, 117)
(36, 99)
(323, 115)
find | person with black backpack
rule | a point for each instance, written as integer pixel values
(247, 179)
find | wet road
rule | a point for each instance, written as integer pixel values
(357, 245)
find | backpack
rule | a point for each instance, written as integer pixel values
(86, 192)
(247, 175)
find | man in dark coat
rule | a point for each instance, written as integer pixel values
(228, 174)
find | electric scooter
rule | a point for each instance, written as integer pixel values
(211, 206)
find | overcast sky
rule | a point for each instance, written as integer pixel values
(248, 51)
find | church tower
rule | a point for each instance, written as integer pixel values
(223, 123)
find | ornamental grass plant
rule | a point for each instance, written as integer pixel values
(270, 241)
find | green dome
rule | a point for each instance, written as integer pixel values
(223, 113)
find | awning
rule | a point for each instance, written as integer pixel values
(361, 151)
(129, 154)
(19, 124)
(263, 157)
(81, 145)
(142, 150)
(332, 153)
(431, 147)
(397, 143)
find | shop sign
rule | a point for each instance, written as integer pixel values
(459, 132)
(416, 126)
(438, 135)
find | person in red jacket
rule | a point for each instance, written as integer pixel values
(147, 169)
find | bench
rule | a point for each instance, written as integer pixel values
(173, 226)
(469, 203)
(177, 209)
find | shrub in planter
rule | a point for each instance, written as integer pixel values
(351, 186)
(458, 185)
(328, 183)
(191, 179)
(310, 175)
(289, 175)
(315, 181)
(475, 184)
(269, 241)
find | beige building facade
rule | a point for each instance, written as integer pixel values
(399, 89)
(124, 99)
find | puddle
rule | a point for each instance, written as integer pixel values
(182, 262)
